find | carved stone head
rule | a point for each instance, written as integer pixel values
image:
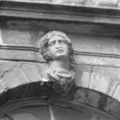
(56, 44)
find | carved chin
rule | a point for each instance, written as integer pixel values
(61, 55)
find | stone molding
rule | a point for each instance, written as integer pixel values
(38, 93)
(34, 10)
(91, 3)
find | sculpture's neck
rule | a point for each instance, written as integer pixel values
(60, 64)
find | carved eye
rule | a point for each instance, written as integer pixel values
(51, 43)
(62, 41)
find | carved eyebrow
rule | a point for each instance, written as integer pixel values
(51, 43)
(59, 40)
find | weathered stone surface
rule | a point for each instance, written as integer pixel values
(6, 66)
(16, 37)
(96, 44)
(97, 100)
(107, 3)
(75, 2)
(38, 57)
(98, 51)
(116, 93)
(14, 78)
(83, 75)
(102, 45)
(1, 42)
(34, 1)
(4, 69)
(20, 37)
(90, 98)
(10, 76)
(14, 74)
(80, 96)
(90, 54)
(17, 54)
(96, 58)
(33, 71)
(79, 59)
(93, 98)
(112, 107)
(92, 60)
(105, 79)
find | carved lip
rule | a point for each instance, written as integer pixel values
(60, 50)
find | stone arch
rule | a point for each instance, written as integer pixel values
(33, 96)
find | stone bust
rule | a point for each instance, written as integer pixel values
(56, 49)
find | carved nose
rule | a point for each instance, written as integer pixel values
(58, 45)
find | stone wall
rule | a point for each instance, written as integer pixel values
(96, 60)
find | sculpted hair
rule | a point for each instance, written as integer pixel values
(44, 44)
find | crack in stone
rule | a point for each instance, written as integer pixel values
(90, 76)
(23, 73)
(7, 71)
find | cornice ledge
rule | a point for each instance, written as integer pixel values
(30, 10)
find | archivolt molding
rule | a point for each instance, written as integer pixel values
(37, 94)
